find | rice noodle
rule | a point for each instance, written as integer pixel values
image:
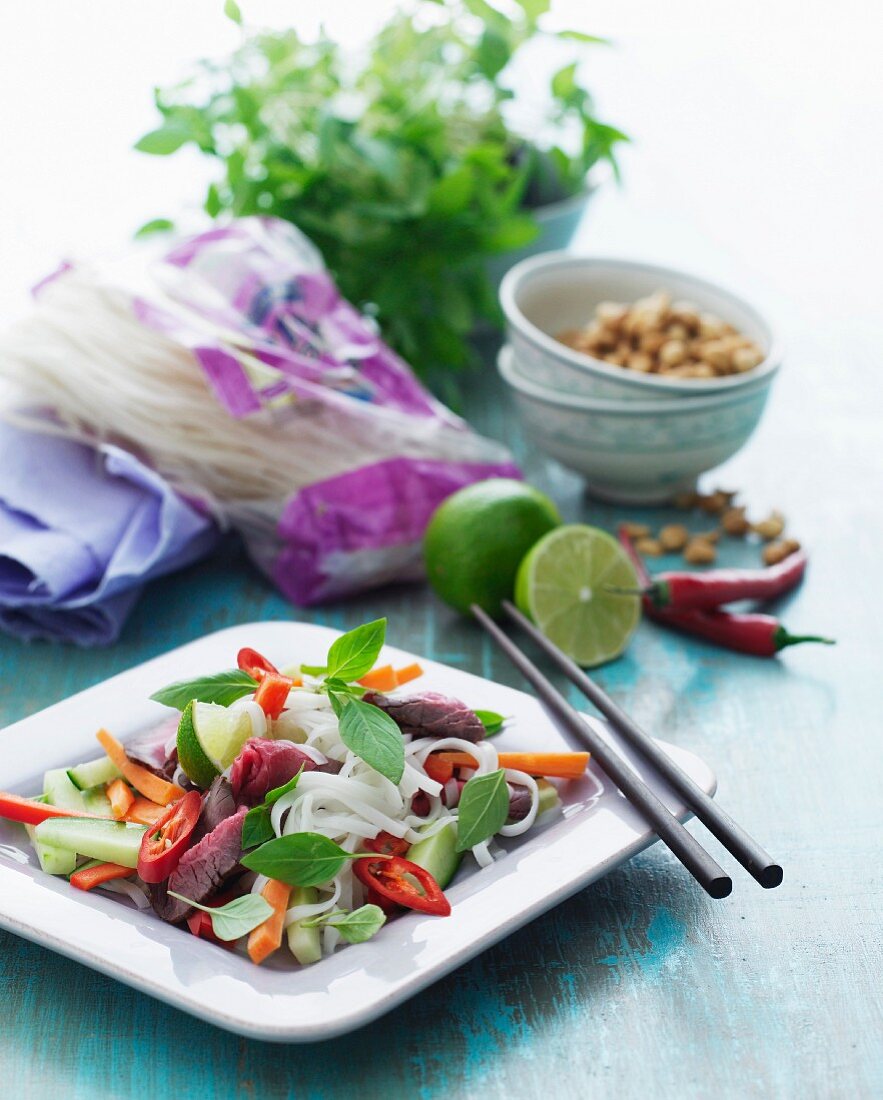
(128, 889)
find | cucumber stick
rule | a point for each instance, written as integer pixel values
(53, 861)
(95, 772)
(109, 841)
(305, 943)
(438, 854)
(97, 802)
(60, 791)
(548, 796)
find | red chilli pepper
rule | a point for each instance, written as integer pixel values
(254, 663)
(756, 634)
(272, 693)
(388, 845)
(708, 590)
(400, 881)
(165, 842)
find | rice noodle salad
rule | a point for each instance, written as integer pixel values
(300, 808)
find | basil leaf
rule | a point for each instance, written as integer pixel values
(235, 919)
(222, 688)
(313, 670)
(257, 827)
(483, 809)
(355, 653)
(491, 721)
(355, 927)
(374, 737)
(300, 859)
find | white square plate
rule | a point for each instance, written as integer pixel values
(280, 1001)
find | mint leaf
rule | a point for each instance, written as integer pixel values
(231, 10)
(355, 927)
(235, 919)
(155, 225)
(165, 140)
(300, 859)
(483, 809)
(373, 736)
(257, 827)
(222, 688)
(491, 721)
(355, 653)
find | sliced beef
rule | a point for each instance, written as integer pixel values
(519, 802)
(149, 749)
(218, 804)
(430, 715)
(202, 870)
(263, 765)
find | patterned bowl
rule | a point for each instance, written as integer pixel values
(555, 291)
(635, 452)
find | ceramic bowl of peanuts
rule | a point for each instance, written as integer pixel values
(639, 377)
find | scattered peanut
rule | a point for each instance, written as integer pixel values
(674, 536)
(699, 551)
(774, 552)
(656, 336)
(712, 536)
(771, 527)
(650, 548)
(636, 530)
(735, 522)
(716, 502)
(685, 501)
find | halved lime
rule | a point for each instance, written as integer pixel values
(210, 738)
(563, 584)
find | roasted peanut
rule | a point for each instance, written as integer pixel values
(685, 501)
(735, 522)
(635, 530)
(774, 552)
(650, 548)
(771, 527)
(699, 551)
(716, 502)
(674, 536)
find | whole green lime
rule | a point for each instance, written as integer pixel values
(477, 538)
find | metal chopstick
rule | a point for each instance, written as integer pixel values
(710, 876)
(733, 837)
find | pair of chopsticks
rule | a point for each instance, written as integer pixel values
(707, 872)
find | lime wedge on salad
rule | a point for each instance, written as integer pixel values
(210, 738)
(563, 585)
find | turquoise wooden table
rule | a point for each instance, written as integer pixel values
(640, 985)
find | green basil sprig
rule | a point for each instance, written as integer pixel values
(222, 688)
(235, 919)
(483, 809)
(354, 653)
(257, 827)
(300, 859)
(355, 927)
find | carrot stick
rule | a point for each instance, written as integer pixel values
(150, 785)
(90, 877)
(408, 673)
(144, 812)
(380, 679)
(120, 797)
(266, 938)
(555, 765)
(30, 812)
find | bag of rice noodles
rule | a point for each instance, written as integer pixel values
(233, 367)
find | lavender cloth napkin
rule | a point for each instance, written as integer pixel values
(81, 531)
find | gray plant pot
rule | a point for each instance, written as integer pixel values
(558, 224)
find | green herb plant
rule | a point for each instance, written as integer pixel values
(401, 162)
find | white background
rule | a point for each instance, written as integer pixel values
(757, 133)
